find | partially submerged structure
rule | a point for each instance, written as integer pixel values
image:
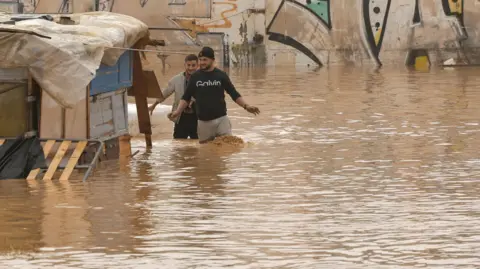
(64, 83)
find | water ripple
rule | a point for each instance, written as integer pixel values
(339, 171)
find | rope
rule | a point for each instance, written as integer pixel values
(156, 51)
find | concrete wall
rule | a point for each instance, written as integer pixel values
(303, 32)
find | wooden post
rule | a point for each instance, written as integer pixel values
(28, 104)
(88, 111)
(32, 106)
(140, 90)
(64, 124)
(125, 146)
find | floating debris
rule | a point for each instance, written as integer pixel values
(228, 140)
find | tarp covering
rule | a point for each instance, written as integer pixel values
(19, 156)
(64, 64)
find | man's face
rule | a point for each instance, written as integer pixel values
(205, 63)
(191, 66)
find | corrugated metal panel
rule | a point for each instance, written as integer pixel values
(111, 78)
(15, 75)
(108, 114)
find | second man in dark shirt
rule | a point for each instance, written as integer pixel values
(208, 86)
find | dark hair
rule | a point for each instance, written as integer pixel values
(191, 57)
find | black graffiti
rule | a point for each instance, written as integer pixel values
(375, 46)
(143, 3)
(449, 12)
(286, 40)
(416, 15)
(64, 7)
(375, 15)
(295, 44)
(104, 5)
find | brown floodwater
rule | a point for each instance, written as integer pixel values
(343, 168)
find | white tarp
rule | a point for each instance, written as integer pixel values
(65, 64)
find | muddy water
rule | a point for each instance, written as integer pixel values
(344, 168)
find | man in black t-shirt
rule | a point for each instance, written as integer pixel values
(208, 86)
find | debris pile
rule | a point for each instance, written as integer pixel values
(228, 140)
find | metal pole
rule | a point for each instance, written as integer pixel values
(94, 162)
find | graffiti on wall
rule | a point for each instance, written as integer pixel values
(29, 6)
(203, 26)
(143, 3)
(105, 5)
(241, 41)
(51, 6)
(326, 30)
(375, 14)
(453, 7)
(278, 31)
(65, 7)
(321, 8)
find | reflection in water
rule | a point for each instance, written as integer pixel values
(64, 213)
(344, 168)
(20, 216)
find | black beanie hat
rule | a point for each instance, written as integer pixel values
(207, 52)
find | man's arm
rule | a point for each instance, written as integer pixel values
(167, 91)
(230, 89)
(165, 94)
(185, 101)
(181, 107)
(241, 102)
(237, 97)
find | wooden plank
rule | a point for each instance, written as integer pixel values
(152, 86)
(139, 81)
(102, 122)
(51, 117)
(153, 89)
(120, 121)
(143, 114)
(87, 111)
(140, 92)
(73, 160)
(46, 150)
(56, 160)
(64, 125)
(1, 141)
(76, 119)
(29, 106)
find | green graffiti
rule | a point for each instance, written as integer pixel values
(319, 7)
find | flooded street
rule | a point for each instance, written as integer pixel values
(344, 168)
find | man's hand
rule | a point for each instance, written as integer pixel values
(173, 115)
(252, 109)
(152, 107)
(189, 109)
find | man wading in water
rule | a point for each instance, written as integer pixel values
(208, 86)
(186, 124)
